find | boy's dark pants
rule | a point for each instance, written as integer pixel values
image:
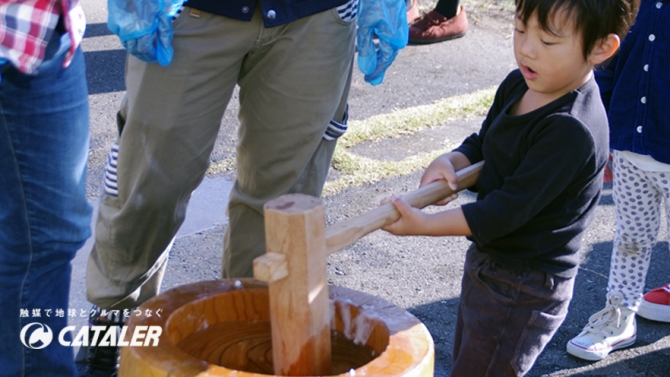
(505, 317)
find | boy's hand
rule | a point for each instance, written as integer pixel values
(411, 222)
(441, 168)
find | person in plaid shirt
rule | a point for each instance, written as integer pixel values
(44, 214)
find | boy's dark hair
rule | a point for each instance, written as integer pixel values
(595, 19)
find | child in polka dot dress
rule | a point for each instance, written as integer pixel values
(635, 87)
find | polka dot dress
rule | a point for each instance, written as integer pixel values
(638, 196)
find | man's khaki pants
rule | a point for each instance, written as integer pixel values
(293, 80)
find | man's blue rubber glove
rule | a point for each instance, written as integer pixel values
(387, 20)
(144, 27)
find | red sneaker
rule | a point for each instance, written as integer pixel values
(656, 304)
(434, 27)
(609, 176)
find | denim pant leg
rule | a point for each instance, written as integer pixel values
(44, 214)
(505, 317)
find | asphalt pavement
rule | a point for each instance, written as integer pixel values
(420, 274)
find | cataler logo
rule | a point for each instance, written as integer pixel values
(40, 336)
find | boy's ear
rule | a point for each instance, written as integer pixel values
(604, 49)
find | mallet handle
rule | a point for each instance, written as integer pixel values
(347, 232)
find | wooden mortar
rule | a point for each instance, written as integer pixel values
(389, 340)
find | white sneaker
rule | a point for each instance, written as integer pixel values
(609, 329)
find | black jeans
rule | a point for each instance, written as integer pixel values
(505, 317)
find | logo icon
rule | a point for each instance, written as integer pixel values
(40, 336)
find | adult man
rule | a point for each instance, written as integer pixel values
(293, 63)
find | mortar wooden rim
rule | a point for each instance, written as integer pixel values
(409, 351)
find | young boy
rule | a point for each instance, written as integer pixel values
(545, 143)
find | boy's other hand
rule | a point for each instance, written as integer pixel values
(441, 168)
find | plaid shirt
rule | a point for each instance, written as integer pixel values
(26, 26)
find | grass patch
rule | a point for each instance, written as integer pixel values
(361, 170)
(356, 170)
(410, 120)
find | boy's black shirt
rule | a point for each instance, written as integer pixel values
(541, 179)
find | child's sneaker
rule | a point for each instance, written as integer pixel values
(609, 329)
(655, 305)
